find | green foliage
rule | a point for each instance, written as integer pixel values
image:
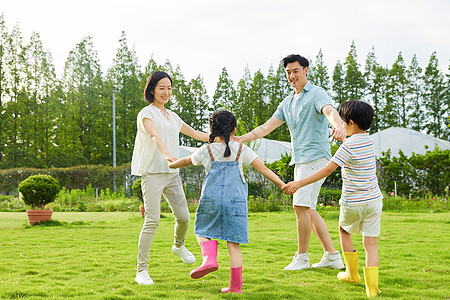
(137, 190)
(407, 204)
(63, 122)
(415, 176)
(283, 168)
(39, 190)
(101, 177)
(329, 197)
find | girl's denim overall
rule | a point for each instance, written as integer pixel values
(222, 211)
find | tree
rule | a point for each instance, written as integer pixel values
(199, 112)
(278, 88)
(414, 93)
(40, 86)
(353, 80)
(3, 83)
(339, 94)
(78, 136)
(242, 108)
(378, 94)
(434, 98)
(397, 108)
(369, 74)
(225, 93)
(258, 100)
(319, 76)
(124, 77)
(15, 106)
(447, 100)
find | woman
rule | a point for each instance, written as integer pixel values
(157, 144)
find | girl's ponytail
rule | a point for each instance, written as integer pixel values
(222, 124)
(227, 149)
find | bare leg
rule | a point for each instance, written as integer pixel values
(236, 259)
(320, 229)
(200, 239)
(303, 227)
(346, 241)
(371, 247)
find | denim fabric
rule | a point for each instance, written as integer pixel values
(222, 211)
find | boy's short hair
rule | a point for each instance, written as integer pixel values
(360, 112)
(295, 57)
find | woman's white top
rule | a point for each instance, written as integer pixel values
(201, 156)
(146, 156)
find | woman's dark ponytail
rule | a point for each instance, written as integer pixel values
(222, 123)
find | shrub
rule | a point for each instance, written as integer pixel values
(39, 190)
(137, 190)
(329, 197)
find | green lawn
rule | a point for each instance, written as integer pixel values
(93, 256)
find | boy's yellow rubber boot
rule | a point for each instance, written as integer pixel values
(371, 279)
(351, 268)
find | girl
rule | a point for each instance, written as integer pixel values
(157, 144)
(222, 211)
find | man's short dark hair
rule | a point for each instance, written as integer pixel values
(295, 57)
(360, 112)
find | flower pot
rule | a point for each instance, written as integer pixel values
(142, 209)
(40, 215)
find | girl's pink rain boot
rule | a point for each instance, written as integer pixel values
(209, 253)
(235, 281)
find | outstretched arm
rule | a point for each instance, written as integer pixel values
(260, 131)
(261, 168)
(332, 116)
(195, 134)
(181, 163)
(154, 136)
(293, 186)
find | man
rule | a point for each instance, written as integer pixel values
(306, 111)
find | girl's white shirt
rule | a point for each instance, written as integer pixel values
(146, 156)
(201, 156)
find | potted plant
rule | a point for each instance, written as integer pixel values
(37, 191)
(137, 191)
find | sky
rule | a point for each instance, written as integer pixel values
(203, 36)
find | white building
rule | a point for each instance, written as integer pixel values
(407, 140)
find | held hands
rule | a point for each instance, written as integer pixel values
(172, 165)
(291, 187)
(169, 158)
(338, 135)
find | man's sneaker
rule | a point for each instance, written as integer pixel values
(186, 256)
(331, 260)
(300, 262)
(143, 278)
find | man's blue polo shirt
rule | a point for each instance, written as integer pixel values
(308, 126)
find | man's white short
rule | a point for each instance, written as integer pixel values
(307, 195)
(363, 218)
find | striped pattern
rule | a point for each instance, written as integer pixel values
(356, 156)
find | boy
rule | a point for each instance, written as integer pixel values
(361, 199)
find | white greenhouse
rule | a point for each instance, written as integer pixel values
(407, 140)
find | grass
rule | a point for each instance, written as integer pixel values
(92, 255)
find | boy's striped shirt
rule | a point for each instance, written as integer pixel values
(356, 156)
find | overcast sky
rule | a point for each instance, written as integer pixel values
(203, 36)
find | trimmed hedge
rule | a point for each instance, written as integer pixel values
(39, 190)
(101, 177)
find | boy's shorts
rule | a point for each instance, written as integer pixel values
(307, 195)
(363, 218)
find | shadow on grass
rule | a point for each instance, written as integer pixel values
(56, 223)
